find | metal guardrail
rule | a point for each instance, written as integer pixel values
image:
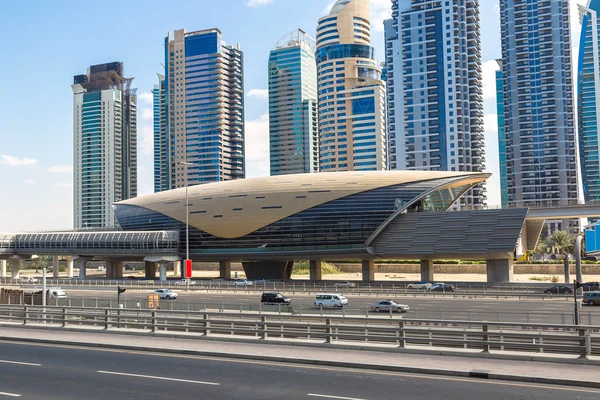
(572, 340)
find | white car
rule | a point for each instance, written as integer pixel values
(243, 282)
(57, 294)
(29, 279)
(184, 282)
(345, 284)
(418, 285)
(166, 294)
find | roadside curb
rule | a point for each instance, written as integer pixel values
(474, 374)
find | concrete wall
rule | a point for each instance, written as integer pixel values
(553, 269)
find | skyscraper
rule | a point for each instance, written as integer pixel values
(588, 85)
(435, 101)
(161, 170)
(293, 125)
(501, 137)
(105, 144)
(204, 108)
(538, 103)
(352, 117)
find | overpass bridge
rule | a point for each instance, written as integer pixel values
(114, 247)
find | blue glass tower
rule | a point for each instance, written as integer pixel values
(589, 100)
(161, 168)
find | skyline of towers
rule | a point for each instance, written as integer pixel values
(204, 86)
(352, 117)
(588, 100)
(293, 124)
(435, 89)
(539, 115)
(105, 144)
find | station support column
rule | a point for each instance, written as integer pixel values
(426, 270)
(368, 270)
(316, 272)
(225, 269)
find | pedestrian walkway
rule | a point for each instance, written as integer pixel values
(427, 362)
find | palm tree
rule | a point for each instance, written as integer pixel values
(563, 243)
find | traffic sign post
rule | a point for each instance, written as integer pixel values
(119, 291)
(576, 285)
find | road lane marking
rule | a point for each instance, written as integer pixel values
(9, 394)
(162, 378)
(333, 397)
(20, 363)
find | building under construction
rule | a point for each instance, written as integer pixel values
(105, 143)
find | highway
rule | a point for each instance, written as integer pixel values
(505, 310)
(39, 372)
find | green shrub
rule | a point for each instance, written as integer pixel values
(554, 279)
(303, 268)
(539, 278)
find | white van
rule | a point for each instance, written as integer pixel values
(330, 300)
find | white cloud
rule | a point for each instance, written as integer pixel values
(262, 94)
(13, 161)
(147, 114)
(30, 182)
(146, 140)
(62, 169)
(258, 3)
(489, 69)
(257, 147)
(490, 124)
(146, 97)
(496, 8)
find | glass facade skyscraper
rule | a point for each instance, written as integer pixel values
(293, 125)
(538, 102)
(589, 100)
(204, 95)
(161, 170)
(435, 89)
(352, 117)
(105, 144)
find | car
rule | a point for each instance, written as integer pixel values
(243, 282)
(559, 289)
(185, 282)
(591, 298)
(260, 280)
(387, 305)
(166, 294)
(130, 277)
(330, 300)
(29, 279)
(57, 293)
(344, 284)
(442, 287)
(418, 285)
(274, 298)
(591, 286)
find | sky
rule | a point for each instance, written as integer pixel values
(54, 40)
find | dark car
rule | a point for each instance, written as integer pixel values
(559, 289)
(274, 298)
(591, 286)
(442, 288)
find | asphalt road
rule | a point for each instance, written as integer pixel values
(505, 310)
(54, 372)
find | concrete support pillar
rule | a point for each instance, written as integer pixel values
(69, 267)
(163, 270)
(81, 264)
(2, 268)
(118, 270)
(177, 265)
(316, 273)
(225, 269)
(368, 270)
(150, 269)
(567, 271)
(426, 270)
(55, 267)
(499, 270)
(14, 268)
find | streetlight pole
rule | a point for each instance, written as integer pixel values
(187, 224)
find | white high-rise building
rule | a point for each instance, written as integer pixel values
(352, 116)
(105, 144)
(435, 89)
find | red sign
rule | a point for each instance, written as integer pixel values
(188, 268)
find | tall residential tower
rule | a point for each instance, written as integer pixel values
(538, 103)
(293, 125)
(204, 94)
(161, 170)
(435, 88)
(352, 117)
(588, 85)
(105, 144)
